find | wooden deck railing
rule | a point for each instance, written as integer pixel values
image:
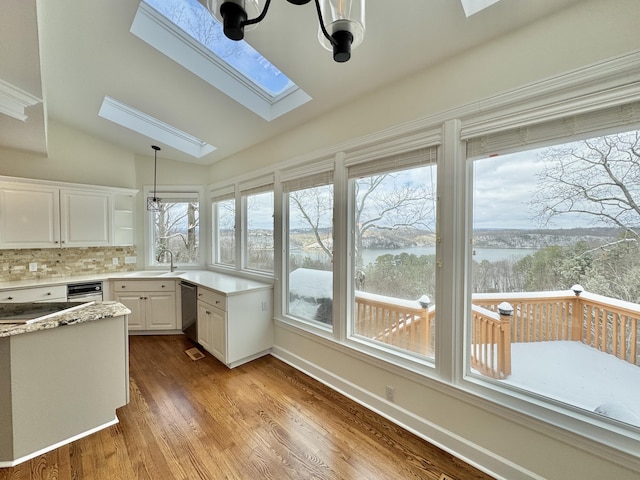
(609, 325)
(490, 342)
(401, 323)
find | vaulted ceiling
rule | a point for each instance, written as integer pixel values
(62, 58)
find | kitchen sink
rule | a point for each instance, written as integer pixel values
(145, 273)
(152, 273)
(171, 274)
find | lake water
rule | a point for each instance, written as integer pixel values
(490, 254)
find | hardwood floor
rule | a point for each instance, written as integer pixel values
(263, 420)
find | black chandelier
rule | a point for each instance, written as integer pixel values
(345, 29)
(153, 203)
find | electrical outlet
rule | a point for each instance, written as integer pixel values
(130, 260)
(33, 267)
(389, 392)
(115, 261)
(264, 306)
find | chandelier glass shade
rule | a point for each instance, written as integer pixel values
(342, 22)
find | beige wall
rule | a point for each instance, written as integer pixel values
(73, 157)
(584, 34)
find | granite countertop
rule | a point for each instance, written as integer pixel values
(88, 313)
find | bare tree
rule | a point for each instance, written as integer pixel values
(316, 208)
(176, 225)
(381, 202)
(377, 206)
(598, 177)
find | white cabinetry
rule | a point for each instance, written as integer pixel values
(123, 219)
(53, 293)
(85, 218)
(29, 217)
(152, 303)
(235, 328)
(45, 215)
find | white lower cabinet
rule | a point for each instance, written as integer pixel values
(152, 303)
(235, 328)
(53, 293)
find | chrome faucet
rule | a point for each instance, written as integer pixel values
(172, 266)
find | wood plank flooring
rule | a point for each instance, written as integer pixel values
(263, 420)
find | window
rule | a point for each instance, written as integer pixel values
(175, 228)
(309, 241)
(258, 233)
(223, 212)
(555, 270)
(393, 213)
(186, 32)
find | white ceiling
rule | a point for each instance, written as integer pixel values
(75, 52)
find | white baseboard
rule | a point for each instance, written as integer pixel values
(481, 458)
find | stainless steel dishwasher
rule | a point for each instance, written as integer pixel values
(189, 296)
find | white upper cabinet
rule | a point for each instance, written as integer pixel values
(86, 218)
(29, 217)
(41, 214)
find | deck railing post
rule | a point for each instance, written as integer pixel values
(577, 315)
(504, 339)
(424, 302)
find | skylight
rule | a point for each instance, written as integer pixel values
(180, 28)
(151, 127)
(472, 7)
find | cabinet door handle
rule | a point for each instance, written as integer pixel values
(49, 293)
(9, 298)
(161, 286)
(123, 286)
(207, 312)
(217, 302)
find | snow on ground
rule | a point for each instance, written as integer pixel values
(308, 283)
(577, 374)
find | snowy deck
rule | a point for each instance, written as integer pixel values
(579, 375)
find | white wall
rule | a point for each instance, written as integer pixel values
(515, 447)
(585, 34)
(73, 157)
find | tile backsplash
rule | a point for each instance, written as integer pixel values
(63, 262)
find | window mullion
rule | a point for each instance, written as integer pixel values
(341, 267)
(450, 254)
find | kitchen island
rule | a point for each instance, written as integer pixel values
(61, 378)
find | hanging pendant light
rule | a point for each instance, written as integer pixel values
(345, 19)
(153, 203)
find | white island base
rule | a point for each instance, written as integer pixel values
(60, 384)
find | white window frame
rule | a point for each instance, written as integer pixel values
(302, 174)
(385, 158)
(520, 112)
(228, 192)
(252, 187)
(173, 192)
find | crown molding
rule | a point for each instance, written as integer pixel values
(13, 101)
